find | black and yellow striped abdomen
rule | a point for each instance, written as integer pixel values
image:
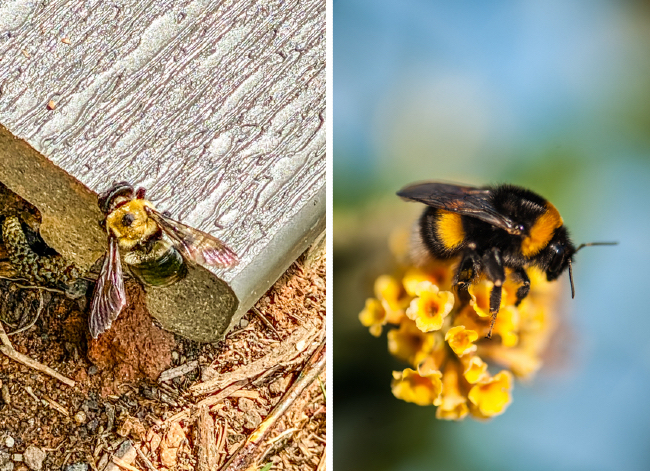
(442, 232)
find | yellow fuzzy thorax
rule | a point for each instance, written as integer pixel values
(449, 229)
(141, 227)
(541, 232)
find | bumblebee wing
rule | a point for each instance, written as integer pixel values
(465, 200)
(195, 246)
(109, 297)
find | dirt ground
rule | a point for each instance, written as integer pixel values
(210, 400)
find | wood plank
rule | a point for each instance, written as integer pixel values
(216, 107)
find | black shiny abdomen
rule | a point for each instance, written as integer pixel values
(160, 267)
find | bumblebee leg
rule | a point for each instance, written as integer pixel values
(520, 275)
(139, 193)
(495, 271)
(467, 269)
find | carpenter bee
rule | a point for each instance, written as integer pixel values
(155, 248)
(493, 228)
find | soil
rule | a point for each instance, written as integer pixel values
(118, 403)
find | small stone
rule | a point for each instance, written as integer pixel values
(132, 427)
(92, 425)
(243, 323)
(207, 373)
(80, 417)
(175, 355)
(77, 467)
(6, 396)
(278, 386)
(89, 404)
(110, 414)
(9, 441)
(252, 420)
(92, 371)
(34, 458)
(246, 404)
(80, 375)
(154, 440)
(170, 443)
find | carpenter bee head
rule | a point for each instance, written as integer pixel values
(126, 217)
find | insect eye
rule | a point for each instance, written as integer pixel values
(128, 219)
(558, 257)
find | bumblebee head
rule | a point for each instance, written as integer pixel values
(559, 253)
(118, 193)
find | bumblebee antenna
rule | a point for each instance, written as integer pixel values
(589, 244)
(595, 243)
(573, 291)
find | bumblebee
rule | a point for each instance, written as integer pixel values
(491, 229)
(156, 250)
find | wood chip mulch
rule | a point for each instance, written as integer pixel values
(257, 398)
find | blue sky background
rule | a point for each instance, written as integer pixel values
(551, 95)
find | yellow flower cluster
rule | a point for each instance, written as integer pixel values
(442, 338)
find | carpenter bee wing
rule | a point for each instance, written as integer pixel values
(465, 200)
(109, 297)
(195, 246)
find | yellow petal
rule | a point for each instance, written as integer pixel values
(480, 297)
(375, 330)
(409, 343)
(430, 308)
(389, 292)
(461, 340)
(414, 277)
(423, 390)
(387, 288)
(436, 358)
(454, 404)
(373, 316)
(507, 326)
(475, 370)
(492, 397)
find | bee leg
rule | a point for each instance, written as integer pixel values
(467, 269)
(139, 193)
(520, 275)
(495, 271)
